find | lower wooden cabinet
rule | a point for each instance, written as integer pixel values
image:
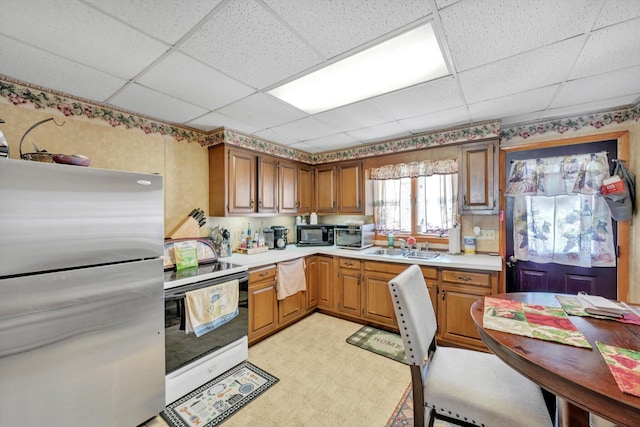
(459, 290)
(358, 290)
(325, 283)
(263, 305)
(349, 294)
(291, 308)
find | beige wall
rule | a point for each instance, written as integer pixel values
(184, 166)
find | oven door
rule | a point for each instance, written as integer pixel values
(182, 348)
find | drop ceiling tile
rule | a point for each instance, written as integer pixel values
(615, 11)
(81, 33)
(168, 21)
(445, 3)
(305, 129)
(277, 137)
(333, 142)
(355, 116)
(380, 132)
(244, 41)
(53, 72)
(594, 88)
(214, 120)
(483, 31)
(513, 105)
(176, 74)
(303, 146)
(263, 111)
(438, 120)
(151, 103)
(583, 109)
(334, 27)
(535, 68)
(436, 95)
(609, 49)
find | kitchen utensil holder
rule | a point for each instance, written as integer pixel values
(188, 227)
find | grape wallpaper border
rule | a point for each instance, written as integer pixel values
(25, 95)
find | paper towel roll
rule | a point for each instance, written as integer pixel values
(454, 240)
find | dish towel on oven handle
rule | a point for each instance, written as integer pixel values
(208, 308)
(290, 278)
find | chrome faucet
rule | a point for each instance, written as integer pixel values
(403, 243)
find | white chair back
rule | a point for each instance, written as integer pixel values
(415, 314)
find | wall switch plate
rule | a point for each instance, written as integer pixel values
(487, 235)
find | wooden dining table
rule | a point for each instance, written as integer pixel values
(578, 377)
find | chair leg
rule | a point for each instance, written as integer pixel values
(418, 396)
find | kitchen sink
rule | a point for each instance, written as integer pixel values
(423, 254)
(428, 255)
(386, 251)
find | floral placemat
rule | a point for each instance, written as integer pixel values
(624, 365)
(534, 321)
(572, 307)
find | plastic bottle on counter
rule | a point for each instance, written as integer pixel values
(249, 237)
(390, 240)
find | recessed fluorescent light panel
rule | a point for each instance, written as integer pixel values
(408, 59)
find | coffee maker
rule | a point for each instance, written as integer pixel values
(279, 236)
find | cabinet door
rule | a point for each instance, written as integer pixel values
(325, 189)
(287, 189)
(305, 189)
(479, 179)
(350, 188)
(267, 184)
(378, 306)
(455, 322)
(263, 309)
(349, 295)
(241, 182)
(325, 282)
(311, 300)
(290, 308)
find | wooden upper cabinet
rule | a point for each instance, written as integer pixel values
(479, 179)
(267, 185)
(325, 189)
(305, 189)
(241, 181)
(287, 187)
(350, 183)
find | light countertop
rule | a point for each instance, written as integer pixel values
(473, 262)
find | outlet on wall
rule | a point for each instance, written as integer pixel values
(487, 235)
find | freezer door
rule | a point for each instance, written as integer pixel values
(59, 216)
(83, 347)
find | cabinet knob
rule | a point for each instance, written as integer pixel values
(443, 294)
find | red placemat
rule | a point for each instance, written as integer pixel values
(534, 321)
(624, 364)
(572, 307)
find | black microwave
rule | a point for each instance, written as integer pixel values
(315, 235)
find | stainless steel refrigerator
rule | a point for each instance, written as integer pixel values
(81, 296)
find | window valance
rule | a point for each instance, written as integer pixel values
(552, 176)
(415, 169)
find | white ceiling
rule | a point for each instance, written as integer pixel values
(209, 63)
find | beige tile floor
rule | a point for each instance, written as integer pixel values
(323, 380)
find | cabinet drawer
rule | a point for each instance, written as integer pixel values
(396, 268)
(261, 274)
(467, 278)
(350, 263)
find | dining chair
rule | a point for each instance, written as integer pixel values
(465, 387)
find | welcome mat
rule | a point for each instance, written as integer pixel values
(220, 398)
(380, 342)
(403, 414)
